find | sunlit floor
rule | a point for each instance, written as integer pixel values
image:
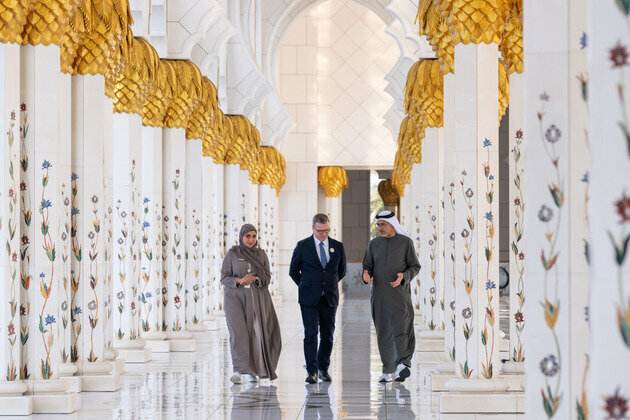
(196, 385)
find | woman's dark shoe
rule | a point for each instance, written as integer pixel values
(311, 378)
(325, 376)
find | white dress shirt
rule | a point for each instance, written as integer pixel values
(326, 248)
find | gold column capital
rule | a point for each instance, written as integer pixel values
(388, 192)
(511, 45)
(333, 180)
(477, 21)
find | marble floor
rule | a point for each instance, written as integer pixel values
(196, 385)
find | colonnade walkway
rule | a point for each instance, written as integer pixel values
(196, 385)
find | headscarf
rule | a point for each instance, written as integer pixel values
(390, 218)
(254, 255)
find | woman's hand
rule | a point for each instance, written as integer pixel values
(247, 280)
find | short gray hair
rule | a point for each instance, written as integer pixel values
(320, 218)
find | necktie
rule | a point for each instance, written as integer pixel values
(322, 255)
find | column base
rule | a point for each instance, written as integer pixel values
(481, 402)
(438, 382)
(12, 401)
(446, 367)
(181, 341)
(431, 335)
(158, 346)
(16, 405)
(182, 344)
(74, 383)
(100, 383)
(142, 355)
(430, 357)
(202, 336)
(98, 376)
(67, 369)
(64, 403)
(430, 344)
(193, 328)
(517, 368)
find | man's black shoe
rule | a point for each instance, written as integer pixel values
(325, 376)
(311, 378)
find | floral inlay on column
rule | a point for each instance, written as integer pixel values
(165, 251)
(25, 253)
(616, 405)
(64, 312)
(107, 271)
(467, 234)
(196, 257)
(93, 305)
(134, 255)
(551, 365)
(433, 244)
(77, 254)
(518, 354)
(418, 278)
(451, 201)
(147, 249)
(12, 256)
(121, 256)
(177, 238)
(489, 318)
(46, 284)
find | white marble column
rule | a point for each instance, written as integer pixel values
(517, 226)
(419, 208)
(235, 199)
(415, 181)
(41, 210)
(110, 354)
(194, 217)
(555, 132)
(253, 209)
(609, 209)
(150, 291)
(174, 242)
(449, 229)
(127, 222)
(11, 385)
(430, 216)
(268, 233)
(220, 235)
(476, 226)
(211, 222)
(87, 235)
(332, 208)
(67, 369)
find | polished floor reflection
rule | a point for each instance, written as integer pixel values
(196, 385)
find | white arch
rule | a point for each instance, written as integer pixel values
(398, 15)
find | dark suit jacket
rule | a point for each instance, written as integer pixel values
(307, 272)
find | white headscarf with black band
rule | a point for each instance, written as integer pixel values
(390, 218)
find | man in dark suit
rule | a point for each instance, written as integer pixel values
(317, 265)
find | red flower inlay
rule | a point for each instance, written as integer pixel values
(619, 55)
(518, 316)
(616, 406)
(519, 134)
(623, 208)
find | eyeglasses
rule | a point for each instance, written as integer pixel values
(322, 230)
